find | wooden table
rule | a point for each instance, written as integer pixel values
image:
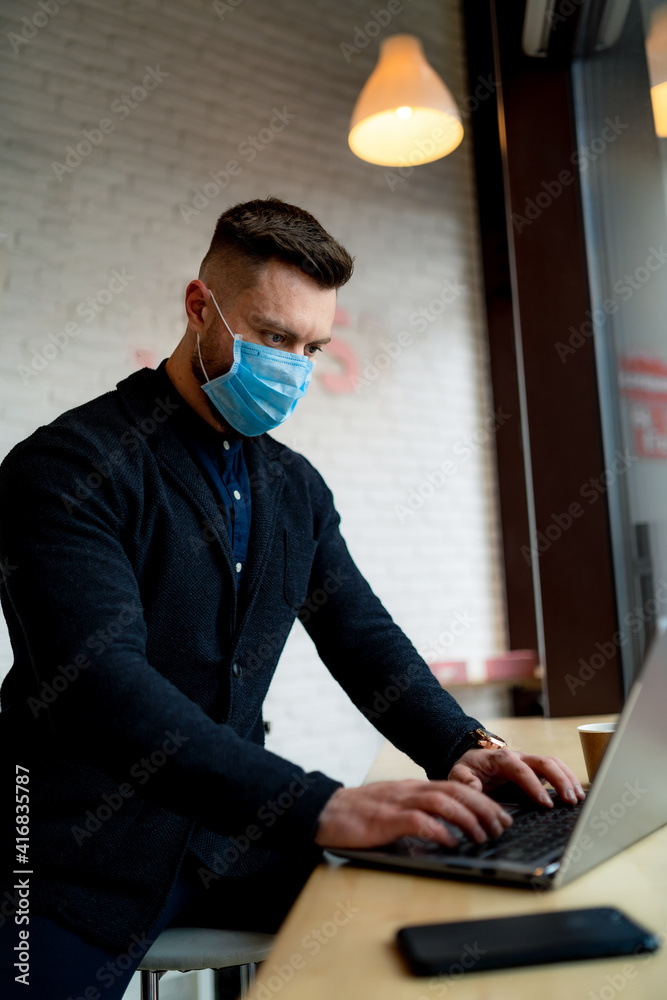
(337, 941)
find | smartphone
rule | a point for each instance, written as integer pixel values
(531, 939)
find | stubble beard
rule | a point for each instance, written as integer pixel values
(200, 377)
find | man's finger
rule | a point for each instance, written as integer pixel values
(458, 814)
(417, 823)
(576, 784)
(512, 768)
(560, 776)
(489, 813)
(462, 773)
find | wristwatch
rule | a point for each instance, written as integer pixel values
(479, 738)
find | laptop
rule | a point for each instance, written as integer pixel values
(548, 848)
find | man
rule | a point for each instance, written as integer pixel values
(158, 545)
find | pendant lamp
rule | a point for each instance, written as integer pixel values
(656, 56)
(405, 115)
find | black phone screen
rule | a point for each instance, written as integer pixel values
(531, 939)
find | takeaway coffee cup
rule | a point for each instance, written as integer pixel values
(595, 738)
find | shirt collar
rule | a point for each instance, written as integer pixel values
(188, 421)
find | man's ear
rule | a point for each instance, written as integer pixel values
(197, 304)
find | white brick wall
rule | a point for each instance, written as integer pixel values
(119, 209)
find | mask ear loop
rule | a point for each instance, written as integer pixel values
(226, 324)
(233, 336)
(200, 359)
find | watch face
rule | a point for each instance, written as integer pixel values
(489, 741)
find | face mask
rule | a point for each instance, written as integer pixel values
(261, 388)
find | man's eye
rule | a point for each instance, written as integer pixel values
(278, 337)
(313, 348)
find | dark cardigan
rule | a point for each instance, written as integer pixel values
(139, 675)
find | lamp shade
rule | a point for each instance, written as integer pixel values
(405, 115)
(656, 57)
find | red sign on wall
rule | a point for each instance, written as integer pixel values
(643, 382)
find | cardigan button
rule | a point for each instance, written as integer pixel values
(237, 669)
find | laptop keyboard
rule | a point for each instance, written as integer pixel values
(535, 832)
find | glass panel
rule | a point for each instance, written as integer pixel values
(622, 166)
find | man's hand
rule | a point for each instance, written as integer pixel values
(382, 811)
(484, 770)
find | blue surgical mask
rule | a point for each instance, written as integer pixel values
(261, 388)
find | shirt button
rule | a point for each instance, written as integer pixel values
(237, 669)
(225, 445)
(237, 495)
(239, 567)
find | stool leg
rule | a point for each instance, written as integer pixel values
(150, 985)
(247, 979)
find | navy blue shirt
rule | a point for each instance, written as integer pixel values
(222, 462)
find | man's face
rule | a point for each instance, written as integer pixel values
(284, 309)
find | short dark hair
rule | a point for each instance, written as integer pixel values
(253, 232)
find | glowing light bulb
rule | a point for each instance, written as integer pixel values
(405, 115)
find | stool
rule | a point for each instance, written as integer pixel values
(184, 949)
